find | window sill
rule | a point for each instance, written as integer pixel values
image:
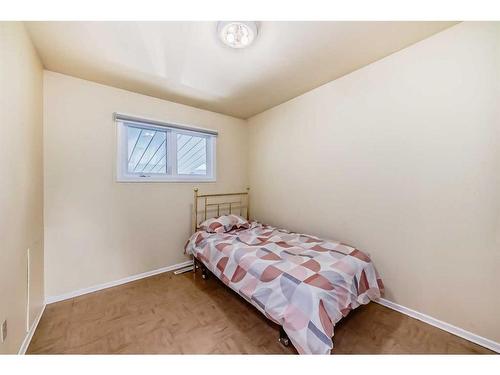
(163, 179)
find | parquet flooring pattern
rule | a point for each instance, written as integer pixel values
(184, 314)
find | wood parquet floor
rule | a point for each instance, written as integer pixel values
(185, 314)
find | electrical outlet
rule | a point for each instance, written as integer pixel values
(3, 331)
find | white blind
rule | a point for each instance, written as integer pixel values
(144, 121)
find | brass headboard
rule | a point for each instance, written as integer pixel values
(215, 205)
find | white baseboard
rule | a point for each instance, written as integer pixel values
(487, 343)
(95, 288)
(29, 335)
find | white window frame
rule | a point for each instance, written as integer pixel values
(122, 174)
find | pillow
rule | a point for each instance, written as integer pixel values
(224, 223)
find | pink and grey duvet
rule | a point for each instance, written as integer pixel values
(301, 282)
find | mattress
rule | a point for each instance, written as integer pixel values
(304, 283)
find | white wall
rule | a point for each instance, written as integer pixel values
(401, 159)
(98, 230)
(21, 194)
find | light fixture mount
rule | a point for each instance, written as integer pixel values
(237, 34)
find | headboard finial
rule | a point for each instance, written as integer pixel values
(196, 189)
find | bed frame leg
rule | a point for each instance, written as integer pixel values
(195, 265)
(284, 340)
(204, 272)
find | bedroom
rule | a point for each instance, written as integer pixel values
(335, 183)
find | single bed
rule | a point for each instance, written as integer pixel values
(301, 282)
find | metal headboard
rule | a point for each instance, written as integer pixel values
(216, 204)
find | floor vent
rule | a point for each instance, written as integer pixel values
(183, 270)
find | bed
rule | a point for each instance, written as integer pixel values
(301, 282)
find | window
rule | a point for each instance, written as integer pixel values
(154, 151)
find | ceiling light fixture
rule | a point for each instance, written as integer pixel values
(237, 34)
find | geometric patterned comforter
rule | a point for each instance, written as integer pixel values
(301, 282)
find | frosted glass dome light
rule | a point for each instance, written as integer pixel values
(237, 34)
